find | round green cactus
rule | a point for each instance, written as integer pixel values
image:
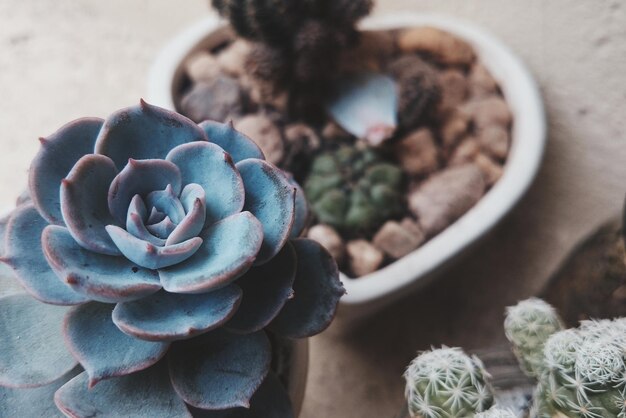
(447, 383)
(353, 189)
(528, 325)
(585, 371)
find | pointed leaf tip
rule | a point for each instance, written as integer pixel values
(219, 370)
(85, 328)
(317, 290)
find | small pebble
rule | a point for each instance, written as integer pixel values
(232, 59)
(265, 133)
(440, 45)
(363, 257)
(446, 196)
(492, 171)
(481, 83)
(454, 128)
(397, 240)
(489, 111)
(220, 99)
(329, 239)
(202, 67)
(301, 142)
(454, 88)
(417, 152)
(494, 140)
(467, 150)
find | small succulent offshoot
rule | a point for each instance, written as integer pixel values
(154, 255)
(447, 383)
(353, 189)
(528, 325)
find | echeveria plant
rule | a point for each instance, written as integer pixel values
(156, 253)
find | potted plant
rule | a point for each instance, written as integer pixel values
(591, 280)
(579, 371)
(414, 134)
(159, 273)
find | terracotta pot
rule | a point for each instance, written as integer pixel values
(418, 268)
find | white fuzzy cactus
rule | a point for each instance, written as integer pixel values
(585, 371)
(528, 325)
(447, 383)
(496, 412)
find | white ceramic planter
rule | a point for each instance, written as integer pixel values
(415, 270)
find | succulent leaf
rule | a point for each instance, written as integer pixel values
(57, 155)
(144, 132)
(147, 393)
(140, 177)
(169, 316)
(302, 209)
(228, 250)
(96, 276)
(226, 188)
(84, 205)
(204, 370)
(162, 229)
(366, 105)
(25, 256)
(235, 143)
(271, 400)
(151, 256)
(32, 345)
(271, 199)
(265, 288)
(137, 227)
(317, 289)
(166, 201)
(193, 200)
(33, 402)
(87, 326)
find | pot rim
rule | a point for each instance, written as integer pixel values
(416, 269)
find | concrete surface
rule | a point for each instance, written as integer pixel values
(71, 58)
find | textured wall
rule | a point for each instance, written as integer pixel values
(71, 58)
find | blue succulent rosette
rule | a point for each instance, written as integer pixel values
(155, 253)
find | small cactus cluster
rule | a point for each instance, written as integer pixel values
(447, 383)
(354, 190)
(528, 325)
(296, 44)
(581, 371)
